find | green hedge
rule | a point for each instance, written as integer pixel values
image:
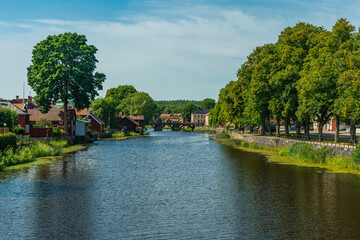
(7, 140)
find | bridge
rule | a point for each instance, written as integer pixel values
(175, 126)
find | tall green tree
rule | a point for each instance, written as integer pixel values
(63, 68)
(187, 110)
(120, 93)
(105, 109)
(139, 103)
(9, 117)
(207, 103)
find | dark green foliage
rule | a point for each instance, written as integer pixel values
(7, 140)
(222, 135)
(119, 93)
(63, 68)
(207, 103)
(187, 110)
(355, 156)
(174, 106)
(9, 117)
(19, 130)
(58, 133)
(308, 153)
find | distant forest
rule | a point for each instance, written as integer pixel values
(175, 106)
(177, 102)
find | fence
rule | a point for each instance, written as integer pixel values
(4, 130)
(41, 132)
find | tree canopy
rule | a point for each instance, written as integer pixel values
(207, 103)
(63, 68)
(309, 74)
(9, 117)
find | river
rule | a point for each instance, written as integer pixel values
(176, 185)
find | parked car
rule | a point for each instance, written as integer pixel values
(292, 127)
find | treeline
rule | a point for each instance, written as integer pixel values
(309, 74)
(181, 106)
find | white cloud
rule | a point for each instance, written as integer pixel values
(190, 57)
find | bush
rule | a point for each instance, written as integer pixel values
(7, 140)
(118, 135)
(58, 133)
(355, 156)
(222, 135)
(44, 150)
(19, 130)
(59, 143)
(245, 144)
(13, 157)
(308, 153)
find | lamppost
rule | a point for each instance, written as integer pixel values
(4, 127)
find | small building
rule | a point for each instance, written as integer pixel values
(23, 116)
(81, 128)
(198, 117)
(97, 124)
(139, 119)
(128, 124)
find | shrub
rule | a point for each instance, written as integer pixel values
(7, 140)
(19, 130)
(308, 153)
(13, 157)
(44, 150)
(222, 135)
(245, 144)
(118, 135)
(355, 156)
(58, 133)
(59, 143)
(43, 123)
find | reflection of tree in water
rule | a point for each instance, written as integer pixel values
(292, 201)
(62, 204)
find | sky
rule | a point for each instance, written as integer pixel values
(170, 49)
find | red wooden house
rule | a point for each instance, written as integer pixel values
(96, 123)
(128, 124)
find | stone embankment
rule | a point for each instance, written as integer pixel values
(271, 141)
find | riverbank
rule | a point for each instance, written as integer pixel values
(47, 159)
(282, 155)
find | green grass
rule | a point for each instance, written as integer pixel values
(303, 154)
(59, 143)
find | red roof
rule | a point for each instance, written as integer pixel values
(54, 114)
(19, 105)
(83, 112)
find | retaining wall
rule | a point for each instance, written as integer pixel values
(338, 149)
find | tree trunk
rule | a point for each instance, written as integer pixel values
(286, 127)
(277, 127)
(298, 126)
(66, 127)
(263, 127)
(306, 128)
(321, 126)
(352, 133)
(268, 126)
(337, 117)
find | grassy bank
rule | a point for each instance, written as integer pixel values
(120, 136)
(300, 154)
(198, 130)
(36, 153)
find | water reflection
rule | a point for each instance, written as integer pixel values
(176, 185)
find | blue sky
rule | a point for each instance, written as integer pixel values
(170, 49)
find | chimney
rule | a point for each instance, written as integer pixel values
(30, 98)
(17, 97)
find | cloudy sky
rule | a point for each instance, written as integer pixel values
(170, 49)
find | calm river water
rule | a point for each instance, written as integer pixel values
(175, 185)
